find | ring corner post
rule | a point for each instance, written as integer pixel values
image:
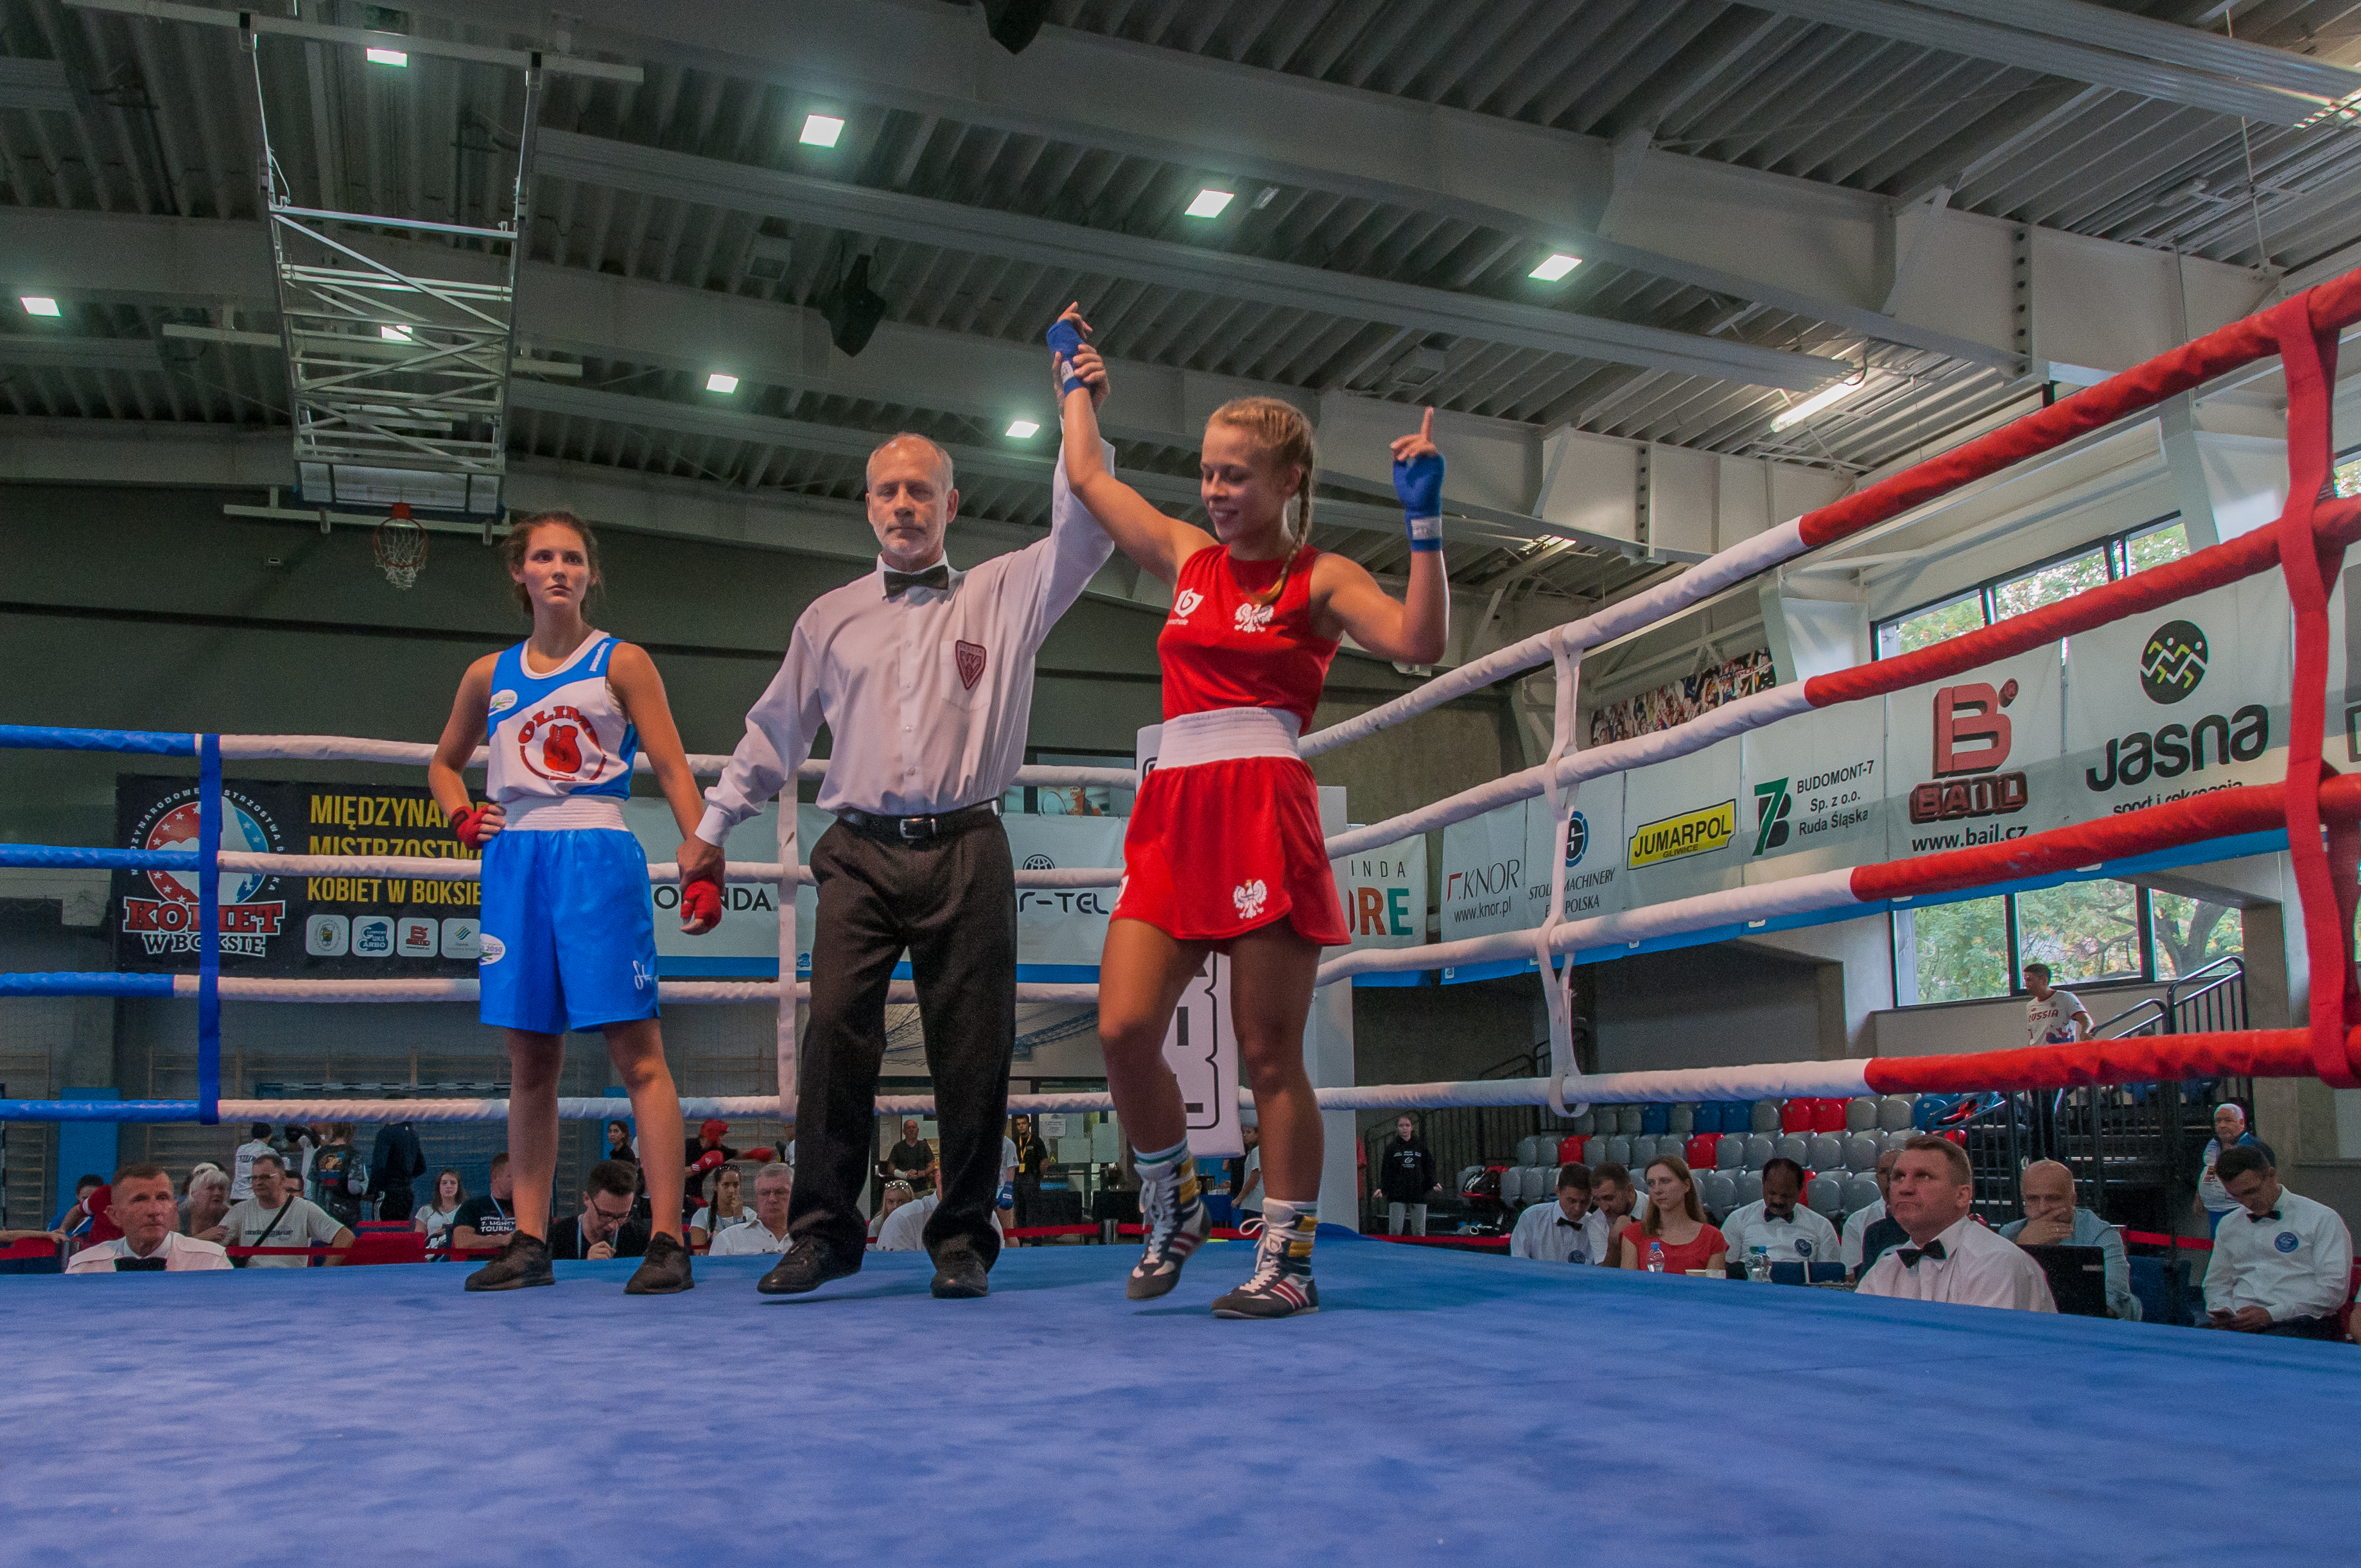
(1328, 1057)
(209, 832)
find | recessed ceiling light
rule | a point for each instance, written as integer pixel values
(822, 130)
(1023, 429)
(1209, 204)
(1556, 266)
(38, 305)
(395, 334)
(1818, 402)
(719, 382)
(387, 56)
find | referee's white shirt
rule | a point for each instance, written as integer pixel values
(2296, 1265)
(1545, 1233)
(1857, 1225)
(1977, 1269)
(919, 725)
(180, 1255)
(1805, 1237)
(749, 1240)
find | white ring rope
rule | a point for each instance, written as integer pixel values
(428, 988)
(1557, 986)
(430, 868)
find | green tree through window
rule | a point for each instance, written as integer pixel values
(2083, 931)
(2192, 933)
(1953, 951)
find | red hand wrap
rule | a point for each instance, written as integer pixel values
(467, 825)
(700, 902)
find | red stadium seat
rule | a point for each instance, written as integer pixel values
(1569, 1148)
(1701, 1151)
(1828, 1116)
(1795, 1116)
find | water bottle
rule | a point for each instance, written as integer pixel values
(1655, 1258)
(1758, 1264)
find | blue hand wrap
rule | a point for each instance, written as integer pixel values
(1065, 342)
(1419, 483)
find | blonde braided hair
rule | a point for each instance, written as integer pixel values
(1284, 436)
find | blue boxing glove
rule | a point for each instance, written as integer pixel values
(1419, 483)
(1065, 342)
(1007, 1195)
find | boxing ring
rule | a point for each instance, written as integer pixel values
(1444, 1408)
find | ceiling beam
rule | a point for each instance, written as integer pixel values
(2171, 43)
(2056, 55)
(1071, 248)
(1545, 186)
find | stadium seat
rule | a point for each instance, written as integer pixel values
(1895, 1140)
(1536, 1150)
(1825, 1194)
(1861, 1113)
(1729, 1152)
(1681, 1119)
(1587, 1122)
(1759, 1149)
(1860, 1152)
(1796, 1115)
(1860, 1193)
(1718, 1192)
(1569, 1148)
(1750, 1187)
(1707, 1119)
(1793, 1146)
(1655, 1117)
(1828, 1116)
(1893, 1112)
(1827, 1151)
(1619, 1150)
(1627, 1120)
(1702, 1151)
(1764, 1117)
(1639, 1148)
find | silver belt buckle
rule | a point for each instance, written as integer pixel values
(907, 823)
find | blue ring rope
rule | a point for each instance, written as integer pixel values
(68, 982)
(52, 738)
(209, 831)
(101, 1111)
(98, 859)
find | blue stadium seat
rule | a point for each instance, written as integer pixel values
(1655, 1118)
(1707, 1119)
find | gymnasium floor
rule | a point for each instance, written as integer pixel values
(1443, 1409)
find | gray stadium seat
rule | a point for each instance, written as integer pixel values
(1760, 1148)
(1529, 1150)
(1718, 1192)
(1896, 1139)
(1681, 1119)
(1825, 1194)
(1585, 1123)
(1618, 1151)
(1860, 1193)
(1860, 1152)
(1512, 1185)
(1627, 1119)
(1532, 1184)
(1861, 1113)
(1795, 1146)
(1894, 1114)
(1766, 1116)
(1828, 1152)
(1729, 1153)
(1750, 1187)
(1643, 1149)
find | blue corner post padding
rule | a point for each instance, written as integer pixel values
(209, 832)
(1441, 1409)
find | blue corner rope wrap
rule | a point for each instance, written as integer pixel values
(98, 859)
(209, 831)
(71, 983)
(51, 738)
(101, 1111)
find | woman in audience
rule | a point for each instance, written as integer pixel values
(618, 1142)
(1676, 1222)
(724, 1211)
(432, 1220)
(896, 1193)
(204, 1203)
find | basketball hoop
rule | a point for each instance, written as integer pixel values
(400, 546)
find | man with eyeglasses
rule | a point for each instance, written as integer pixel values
(604, 1228)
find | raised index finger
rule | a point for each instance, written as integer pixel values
(1426, 425)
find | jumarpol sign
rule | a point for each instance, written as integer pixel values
(2171, 667)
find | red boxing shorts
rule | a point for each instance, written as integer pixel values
(1218, 849)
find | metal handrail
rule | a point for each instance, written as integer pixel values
(2232, 966)
(2100, 1031)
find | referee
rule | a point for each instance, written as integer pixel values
(924, 676)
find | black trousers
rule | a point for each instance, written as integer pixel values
(2304, 1328)
(951, 900)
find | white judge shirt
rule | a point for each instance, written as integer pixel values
(180, 1255)
(1805, 1237)
(1544, 1232)
(1977, 1269)
(748, 1240)
(2296, 1261)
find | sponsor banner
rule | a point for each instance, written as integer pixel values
(1484, 881)
(1060, 931)
(1976, 759)
(2186, 700)
(1815, 793)
(1595, 882)
(1681, 826)
(1383, 892)
(370, 928)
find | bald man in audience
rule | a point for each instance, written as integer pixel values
(2052, 1219)
(1950, 1257)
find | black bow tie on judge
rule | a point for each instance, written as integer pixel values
(1911, 1255)
(937, 576)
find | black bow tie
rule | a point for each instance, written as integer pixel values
(1911, 1255)
(2254, 1219)
(1569, 1224)
(937, 576)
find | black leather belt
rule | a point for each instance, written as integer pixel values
(919, 829)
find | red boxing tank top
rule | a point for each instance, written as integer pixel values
(1221, 648)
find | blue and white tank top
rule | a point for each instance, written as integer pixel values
(560, 736)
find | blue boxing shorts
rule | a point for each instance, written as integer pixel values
(569, 933)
